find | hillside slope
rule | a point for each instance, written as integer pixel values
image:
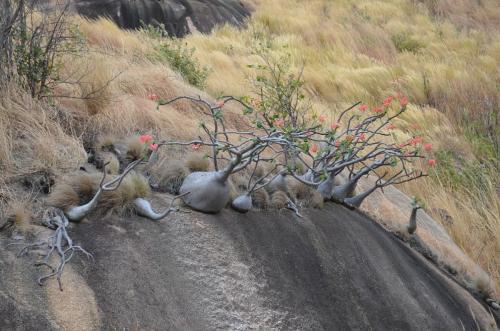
(333, 269)
(443, 55)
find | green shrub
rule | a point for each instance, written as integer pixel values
(154, 32)
(280, 91)
(405, 43)
(457, 172)
(181, 58)
(33, 43)
(177, 55)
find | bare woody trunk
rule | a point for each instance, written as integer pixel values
(357, 200)
(326, 187)
(412, 226)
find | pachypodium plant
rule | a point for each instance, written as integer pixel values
(358, 143)
(283, 129)
(412, 224)
(231, 152)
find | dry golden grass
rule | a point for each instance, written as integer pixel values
(110, 160)
(18, 213)
(121, 200)
(32, 139)
(197, 162)
(477, 234)
(168, 175)
(279, 200)
(74, 190)
(79, 188)
(240, 182)
(135, 148)
(115, 78)
(304, 195)
(260, 199)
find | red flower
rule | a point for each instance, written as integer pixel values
(403, 100)
(337, 144)
(431, 162)
(313, 149)
(153, 147)
(145, 138)
(363, 107)
(391, 126)
(387, 101)
(335, 126)
(322, 118)
(279, 122)
(220, 103)
(416, 140)
(195, 146)
(378, 109)
(362, 137)
(428, 147)
(153, 97)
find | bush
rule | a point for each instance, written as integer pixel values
(405, 43)
(177, 54)
(456, 172)
(181, 58)
(280, 92)
(33, 43)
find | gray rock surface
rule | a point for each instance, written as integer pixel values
(173, 14)
(334, 269)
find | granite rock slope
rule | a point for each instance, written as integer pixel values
(334, 269)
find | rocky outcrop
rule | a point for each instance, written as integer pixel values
(209, 13)
(173, 14)
(333, 269)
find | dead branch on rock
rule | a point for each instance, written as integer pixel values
(59, 246)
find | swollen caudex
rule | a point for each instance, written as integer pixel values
(242, 203)
(206, 191)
